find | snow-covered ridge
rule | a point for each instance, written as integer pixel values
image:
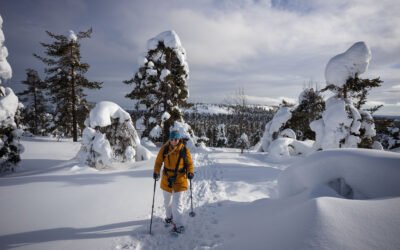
(210, 108)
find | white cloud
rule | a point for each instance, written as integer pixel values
(270, 51)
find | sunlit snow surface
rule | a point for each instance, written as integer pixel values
(242, 201)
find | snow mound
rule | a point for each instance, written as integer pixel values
(283, 148)
(169, 38)
(280, 149)
(343, 66)
(103, 112)
(320, 223)
(352, 173)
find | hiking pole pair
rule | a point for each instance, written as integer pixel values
(191, 214)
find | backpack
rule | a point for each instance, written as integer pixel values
(182, 154)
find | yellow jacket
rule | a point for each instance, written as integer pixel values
(181, 183)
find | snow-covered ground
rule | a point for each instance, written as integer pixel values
(244, 201)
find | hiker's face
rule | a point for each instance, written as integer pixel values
(174, 142)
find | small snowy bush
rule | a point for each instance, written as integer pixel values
(243, 142)
(111, 137)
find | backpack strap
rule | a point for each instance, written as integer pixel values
(183, 154)
(166, 150)
(171, 180)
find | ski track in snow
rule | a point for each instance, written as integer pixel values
(208, 193)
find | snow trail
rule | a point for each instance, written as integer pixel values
(211, 190)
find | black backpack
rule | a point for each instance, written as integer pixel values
(182, 154)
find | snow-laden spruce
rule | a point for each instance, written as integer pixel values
(339, 126)
(160, 85)
(243, 142)
(310, 107)
(273, 127)
(221, 135)
(341, 122)
(5, 68)
(9, 134)
(110, 137)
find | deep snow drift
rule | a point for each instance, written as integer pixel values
(242, 201)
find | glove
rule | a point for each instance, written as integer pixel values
(156, 176)
(190, 176)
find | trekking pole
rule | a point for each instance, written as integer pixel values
(191, 214)
(152, 206)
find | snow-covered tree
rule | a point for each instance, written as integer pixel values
(310, 108)
(110, 137)
(186, 133)
(221, 137)
(342, 123)
(10, 149)
(66, 81)
(5, 68)
(35, 114)
(388, 134)
(243, 142)
(276, 125)
(160, 84)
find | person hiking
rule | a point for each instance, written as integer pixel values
(178, 168)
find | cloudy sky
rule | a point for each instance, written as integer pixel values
(270, 48)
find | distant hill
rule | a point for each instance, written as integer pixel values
(209, 108)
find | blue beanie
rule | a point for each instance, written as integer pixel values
(174, 135)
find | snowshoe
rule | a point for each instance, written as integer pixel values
(176, 231)
(168, 222)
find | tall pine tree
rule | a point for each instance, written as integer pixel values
(66, 81)
(160, 83)
(35, 113)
